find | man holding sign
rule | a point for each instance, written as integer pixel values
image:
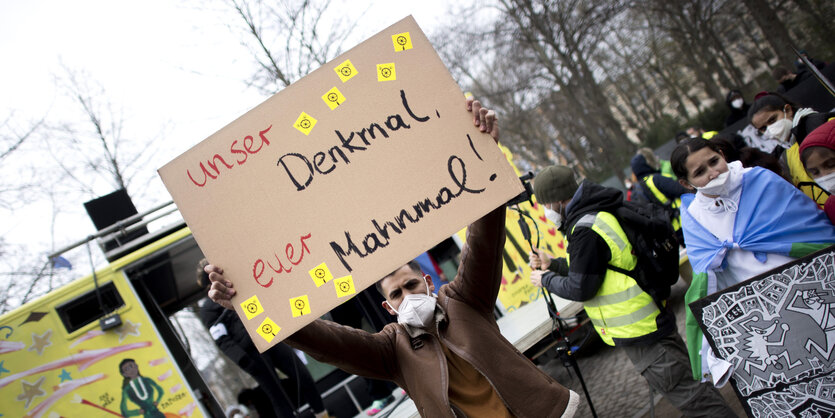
(444, 349)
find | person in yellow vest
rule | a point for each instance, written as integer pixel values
(623, 314)
(657, 188)
(775, 117)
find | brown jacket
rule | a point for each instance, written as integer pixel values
(470, 331)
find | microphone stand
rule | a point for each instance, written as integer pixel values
(563, 344)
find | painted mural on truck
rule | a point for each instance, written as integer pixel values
(53, 365)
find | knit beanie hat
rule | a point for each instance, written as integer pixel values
(823, 136)
(554, 184)
(650, 158)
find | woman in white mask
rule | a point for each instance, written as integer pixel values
(785, 123)
(741, 222)
(817, 153)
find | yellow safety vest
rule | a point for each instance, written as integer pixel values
(676, 221)
(620, 309)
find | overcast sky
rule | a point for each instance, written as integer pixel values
(171, 66)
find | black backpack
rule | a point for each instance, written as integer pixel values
(648, 228)
(650, 197)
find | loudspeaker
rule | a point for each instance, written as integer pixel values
(109, 209)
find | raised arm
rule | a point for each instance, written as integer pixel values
(480, 272)
(355, 351)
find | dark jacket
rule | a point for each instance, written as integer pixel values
(669, 187)
(790, 84)
(236, 344)
(588, 252)
(418, 365)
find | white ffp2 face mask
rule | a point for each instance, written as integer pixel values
(416, 310)
(554, 217)
(737, 103)
(827, 182)
(716, 186)
(780, 130)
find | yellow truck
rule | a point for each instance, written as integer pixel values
(95, 348)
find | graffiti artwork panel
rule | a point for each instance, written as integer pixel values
(778, 331)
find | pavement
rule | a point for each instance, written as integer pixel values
(616, 389)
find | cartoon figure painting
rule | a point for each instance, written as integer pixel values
(757, 343)
(822, 313)
(778, 332)
(139, 390)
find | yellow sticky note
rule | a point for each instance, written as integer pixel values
(305, 123)
(252, 307)
(345, 71)
(402, 41)
(268, 329)
(333, 98)
(320, 274)
(300, 306)
(385, 72)
(344, 286)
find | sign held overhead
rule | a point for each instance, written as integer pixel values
(337, 180)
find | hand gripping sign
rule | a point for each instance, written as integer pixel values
(337, 180)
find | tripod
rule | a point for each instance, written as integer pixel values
(564, 351)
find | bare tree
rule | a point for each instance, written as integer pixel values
(562, 36)
(773, 29)
(91, 151)
(11, 138)
(288, 39)
(822, 13)
(15, 179)
(26, 273)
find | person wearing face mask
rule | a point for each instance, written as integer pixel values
(741, 222)
(818, 157)
(445, 350)
(623, 314)
(737, 106)
(784, 122)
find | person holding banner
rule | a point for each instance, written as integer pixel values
(623, 314)
(443, 350)
(231, 338)
(741, 222)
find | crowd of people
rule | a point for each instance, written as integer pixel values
(741, 204)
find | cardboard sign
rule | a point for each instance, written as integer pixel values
(517, 289)
(338, 180)
(778, 330)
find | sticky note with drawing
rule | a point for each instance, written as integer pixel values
(385, 72)
(300, 306)
(252, 307)
(345, 70)
(305, 123)
(402, 41)
(333, 98)
(268, 329)
(344, 286)
(395, 168)
(320, 274)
